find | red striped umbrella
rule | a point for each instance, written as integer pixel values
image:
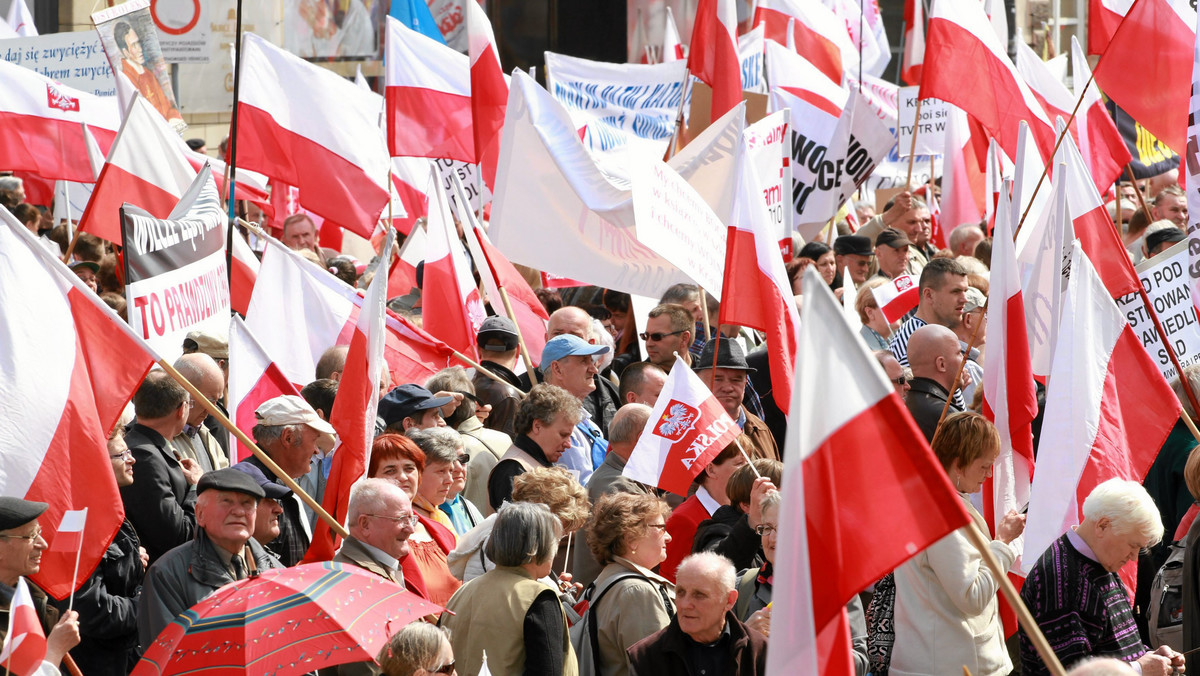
(285, 621)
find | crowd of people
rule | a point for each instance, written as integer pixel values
(501, 496)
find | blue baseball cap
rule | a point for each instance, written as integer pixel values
(568, 345)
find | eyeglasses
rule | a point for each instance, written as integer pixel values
(765, 529)
(463, 458)
(410, 519)
(447, 669)
(32, 537)
(659, 336)
(899, 382)
(660, 526)
(122, 456)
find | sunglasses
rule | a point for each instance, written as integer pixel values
(447, 669)
(659, 336)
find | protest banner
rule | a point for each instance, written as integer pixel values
(672, 219)
(624, 110)
(929, 129)
(130, 41)
(183, 30)
(176, 278)
(750, 54)
(1168, 285)
(74, 59)
(768, 144)
(1151, 156)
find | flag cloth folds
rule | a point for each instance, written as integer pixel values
(489, 91)
(1097, 425)
(713, 58)
(914, 41)
(688, 428)
(144, 167)
(39, 125)
(25, 643)
(848, 422)
(896, 297)
(453, 309)
(20, 19)
(253, 379)
(672, 46)
(756, 278)
(416, 15)
(817, 34)
(966, 65)
(309, 127)
(1158, 97)
(428, 96)
(55, 434)
(1099, 140)
(354, 409)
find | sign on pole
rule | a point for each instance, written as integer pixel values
(930, 128)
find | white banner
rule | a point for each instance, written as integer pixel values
(673, 220)
(625, 110)
(74, 59)
(183, 30)
(750, 54)
(931, 128)
(1168, 284)
(768, 143)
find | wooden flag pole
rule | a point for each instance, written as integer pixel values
(958, 376)
(533, 378)
(912, 147)
(1141, 199)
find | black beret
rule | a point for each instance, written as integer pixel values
(230, 479)
(15, 512)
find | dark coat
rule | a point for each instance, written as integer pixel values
(664, 653)
(925, 402)
(160, 504)
(729, 534)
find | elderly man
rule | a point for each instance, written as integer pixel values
(602, 402)
(160, 503)
(21, 547)
(300, 233)
(380, 519)
(546, 419)
(894, 371)
(943, 288)
(214, 345)
(221, 552)
(570, 363)
(704, 637)
(727, 381)
(935, 355)
(1171, 204)
(852, 252)
(892, 253)
(12, 191)
(291, 433)
(668, 331)
(197, 441)
(412, 407)
(641, 383)
(965, 238)
(974, 323)
(266, 520)
(1075, 594)
(500, 351)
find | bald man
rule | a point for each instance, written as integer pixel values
(196, 441)
(934, 356)
(603, 401)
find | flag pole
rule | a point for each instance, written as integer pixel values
(520, 335)
(912, 147)
(704, 311)
(738, 440)
(231, 155)
(1141, 199)
(479, 368)
(75, 576)
(958, 376)
(258, 452)
(1032, 630)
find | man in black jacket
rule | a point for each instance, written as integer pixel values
(934, 355)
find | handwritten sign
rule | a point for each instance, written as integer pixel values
(1166, 281)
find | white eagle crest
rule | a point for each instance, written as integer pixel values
(678, 420)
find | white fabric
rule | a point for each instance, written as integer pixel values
(416, 60)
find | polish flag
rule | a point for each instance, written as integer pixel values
(858, 428)
(309, 127)
(253, 379)
(20, 19)
(818, 34)
(70, 531)
(56, 440)
(1027, 170)
(428, 95)
(1104, 16)
(294, 298)
(755, 276)
(355, 408)
(39, 125)
(453, 309)
(897, 297)
(25, 643)
(402, 276)
(145, 168)
(1099, 140)
(688, 428)
(672, 49)
(967, 65)
(489, 91)
(410, 176)
(938, 235)
(962, 180)
(1047, 88)
(1158, 96)
(914, 41)
(1097, 425)
(250, 185)
(242, 274)
(1043, 249)
(799, 77)
(499, 273)
(714, 54)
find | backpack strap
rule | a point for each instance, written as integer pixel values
(600, 592)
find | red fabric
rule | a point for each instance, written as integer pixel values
(1102, 24)
(818, 49)
(531, 315)
(1108, 255)
(714, 57)
(489, 101)
(411, 127)
(914, 30)
(682, 527)
(116, 186)
(48, 147)
(835, 651)
(38, 190)
(1186, 524)
(27, 640)
(1158, 97)
(1107, 153)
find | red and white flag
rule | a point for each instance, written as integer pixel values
(355, 408)
(755, 276)
(428, 95)
(25, 643)
(847, 422)
(688, 428)
(818, 34)
(967, 65)
(897, 297)
(914, 41)
(242, 274)
(1099, 140)
(1158, 96)
(799, 77)
(1098, 425)
(56, 441)
(70, 530)
(713, 58)
(144, 167)
(672, 47)
(402, 276)
(20, 19)
(1103, 17)
(453, 309)
(1028, 168)
(489, 91)
(39, 125)
(253, 379)
(309, 127)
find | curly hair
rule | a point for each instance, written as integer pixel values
(545, 403)
(389, 446)
(620, 518)
(558, 490)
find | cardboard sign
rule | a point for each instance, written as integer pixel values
(1168, 285)
(930, 128)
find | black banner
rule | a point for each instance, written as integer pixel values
(1151, 157)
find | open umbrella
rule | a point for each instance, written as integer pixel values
(285, 621)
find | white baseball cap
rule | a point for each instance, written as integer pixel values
(288, 409)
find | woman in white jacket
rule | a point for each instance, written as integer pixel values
(945, 614)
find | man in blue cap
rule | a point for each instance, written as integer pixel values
(569, 362)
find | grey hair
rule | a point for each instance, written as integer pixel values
(628, 423)
(1128, 506)
(524, 532)
(545, 403)
(712, 564)
(440, 444)
(10, 183)
(771, 499)
(195, 366)
(266, 435)
(680, 293)
(454, 379)
(368, 497)
(414, 647)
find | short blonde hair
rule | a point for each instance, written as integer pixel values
(963, 438)
(866, 298)
(558, 490)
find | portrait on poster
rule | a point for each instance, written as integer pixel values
(334, 29)
(130, 41)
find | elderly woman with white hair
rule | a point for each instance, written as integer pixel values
(1075, 594)
(507, 612)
